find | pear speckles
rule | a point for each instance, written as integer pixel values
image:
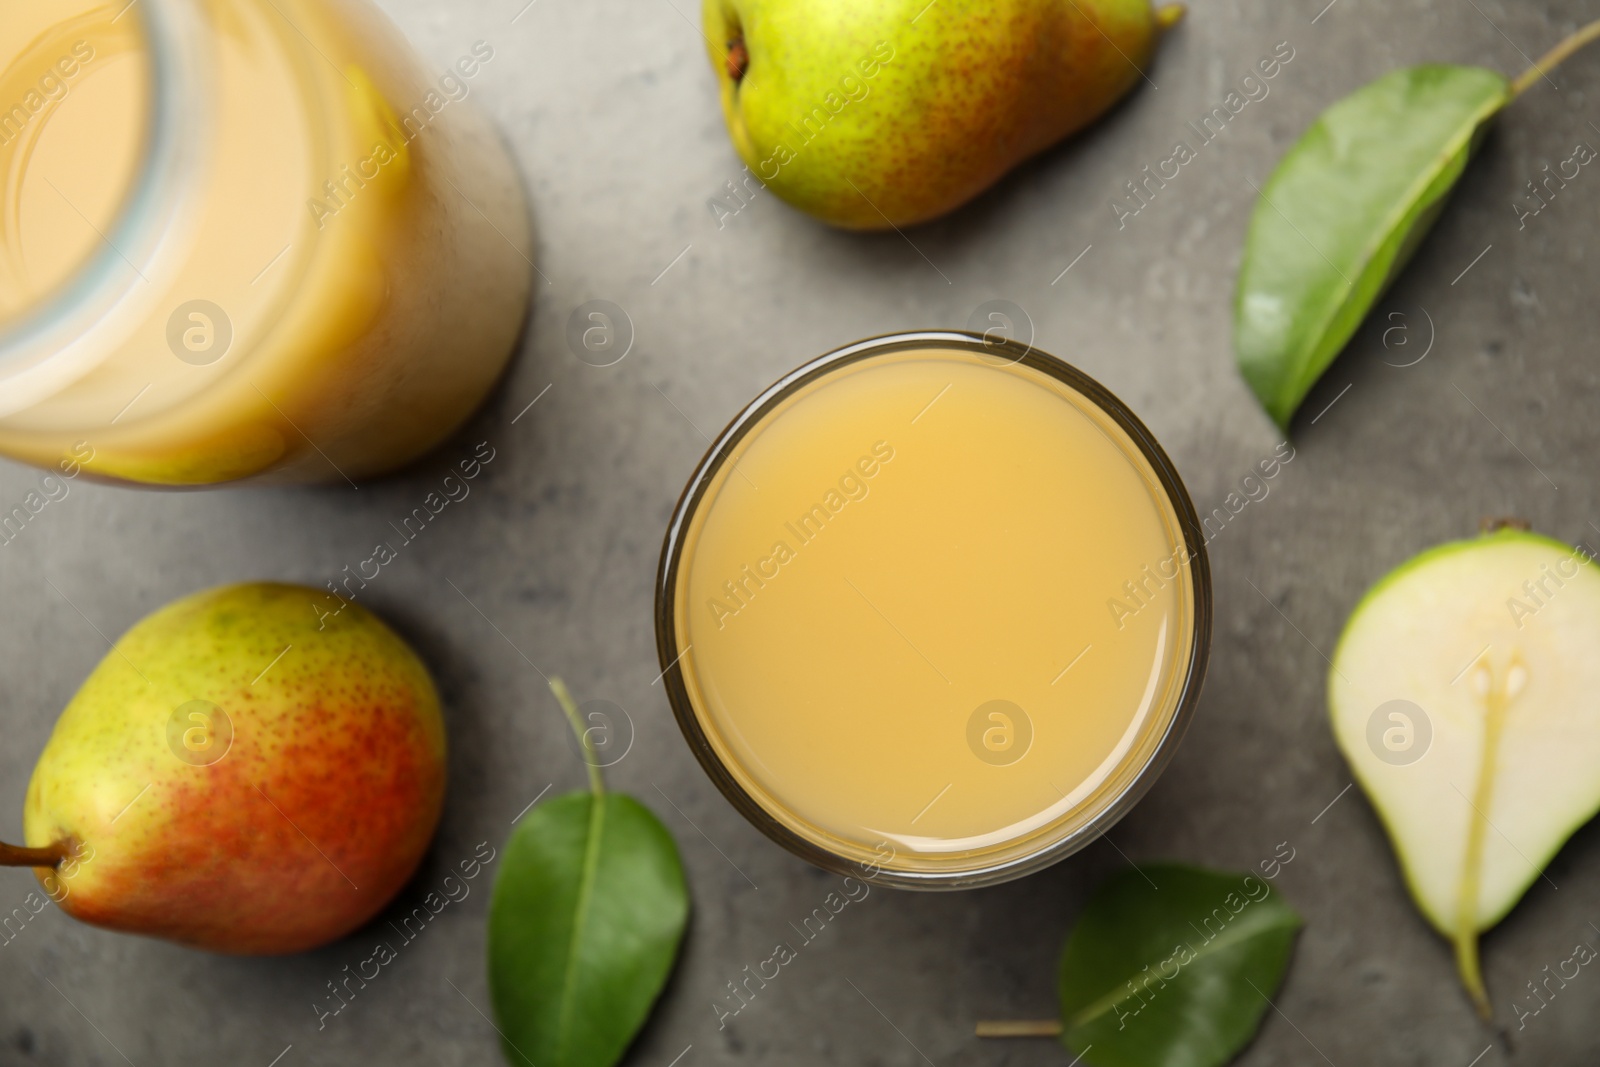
(878, 116)
(254, 778)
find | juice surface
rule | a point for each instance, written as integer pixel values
(908, 615)
(72, 108)
(343, 271)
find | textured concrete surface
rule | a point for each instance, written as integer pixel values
(612, 112)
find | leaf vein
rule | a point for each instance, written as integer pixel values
(586, 883)
(1234, 935)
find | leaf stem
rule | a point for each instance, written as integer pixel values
(1553, 58)
(597, 783)
(49, 856)
(1019, 1028)
(1493, 524)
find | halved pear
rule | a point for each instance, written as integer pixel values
(1465, 692)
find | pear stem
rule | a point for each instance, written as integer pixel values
(597, 783)
(1169, 15)
(49, 856)
(1019, 1028)
(1467, 966)
(1553, 58)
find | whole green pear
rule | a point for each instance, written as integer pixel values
(253, 769)
(877, 113)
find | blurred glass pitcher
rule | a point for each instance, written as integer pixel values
(245, 239)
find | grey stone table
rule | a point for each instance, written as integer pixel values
(612, 112)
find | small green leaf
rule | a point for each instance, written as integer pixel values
(1343, 212)
(588, 913)
(1176, 974)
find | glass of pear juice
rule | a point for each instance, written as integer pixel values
(245, 239)
(934, 609)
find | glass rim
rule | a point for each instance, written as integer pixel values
(178, 67)
(750, 417)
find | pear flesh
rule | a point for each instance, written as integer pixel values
(1465, 693)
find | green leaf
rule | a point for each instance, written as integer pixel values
(1343, 212)
(1175, 976)
(587, 916)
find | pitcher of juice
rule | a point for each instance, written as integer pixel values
(245, 239)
